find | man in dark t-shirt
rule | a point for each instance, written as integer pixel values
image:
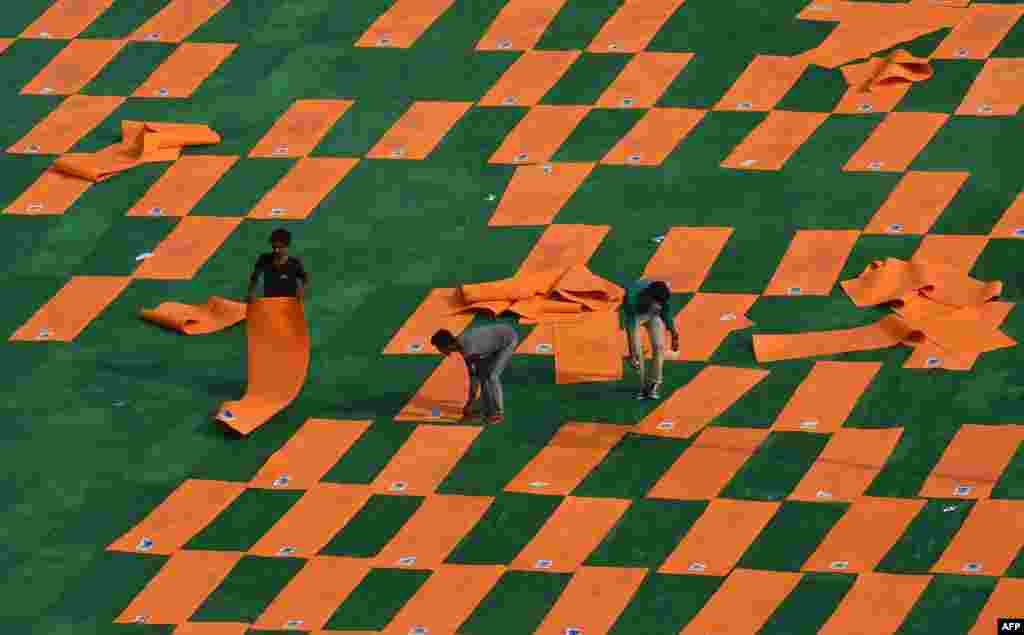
(283, 275)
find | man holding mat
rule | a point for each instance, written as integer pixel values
(283, 275)
(486, 350)
(647, 305)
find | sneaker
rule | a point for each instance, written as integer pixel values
(642, 395)
(652, 392)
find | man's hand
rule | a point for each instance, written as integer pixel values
(634, 361)
(675, 342)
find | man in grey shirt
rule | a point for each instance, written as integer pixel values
(486, 350)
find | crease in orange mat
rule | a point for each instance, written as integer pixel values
(988, 541)
(704, 469)
(849, 463)
(309, 454)
(894, 144)
(425, 459)
(529, 78)
(180, 587)
(184, 513)
(278, 360)
(685, 257)
(592, 601)
(184, 251)
(310, 524)
(184, 70)
(310, 598)
(881, 73)
(763, 84)
(978, 35)
(812, 262)
(774, 140)
(141, 142)
(71, 310)
(719, 537)
(928, 354)
(973, 462)
(916, 203)
(403, 23)
(1003, 601)
(708, 319)
(432, 532)
(178, 20)
(587, 520)
(760, 593)
(436, 311)
(183, 185)
(216, 315)
(865, 533)
(690, 408)
(643, 80)
(827, 396)
(563, 246)
(446, 599)
(520, 25)
(652, 139)
(66, 19)
(442, 396)
(586, 351)
(561, 465)
(65, 125)
(536, 193)
(997, 90)
(539, 135)
(53, 193)
(211, 628)
(876, 603)
(76, 65)
(299, 129)
(418, 131)
(632, 27)
(303, 188)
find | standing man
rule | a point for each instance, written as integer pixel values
(486, 351)
(647, 305)
(283, 275)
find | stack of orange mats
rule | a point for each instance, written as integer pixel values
(899, 68)
(216, 315)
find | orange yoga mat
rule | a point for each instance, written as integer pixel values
(685, 256)
(540, 341)
(826, 397)
(877, 603)
(1004, 601)
(432, 532)
(76, 65)
(310, 598)
(997, 90)
(183, 185)
(71, 309)
(889, 331)
(66, 124)
(188, 510)
(178, 20)
(760, 593)
(719, 538)
(211, 628)
(424, 461)
(916, 203)
(931, 355)
(310, 524)
(973, 462)
(963, 331)
(849, 463)
(520, 25)
(709, 318)
(763, 83)
(529, 78)
(1011, 223)
(891, 279)
(442, 396)
(774, 140)
(216, 315)
(186, 249)
(587, 520)
(881, 99)
(184, 70)
(896, 142)
(563, 246)
(988, 541)
(403, 23)
(300, 128)
(710, 393)
(5, 42)
(959, 252)
(303, 188)
(881, 73)
(52, 193)
(586, 349)
(812, 262)
(644, 80)
(536, 193)
(654, 137)
(865, 533)
(180, 587)
(561, 465)
(278, 361)
(978, 35)
(418, 131)
(592, 601)
(704, 469)
(436, 311)
(539, 135)
(446, 599)
(66, 19)
(632, 27)
(309, 454)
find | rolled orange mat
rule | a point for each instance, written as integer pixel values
(216, 315)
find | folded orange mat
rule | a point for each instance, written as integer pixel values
(141, 142)
(216, 315)
(898, 68)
